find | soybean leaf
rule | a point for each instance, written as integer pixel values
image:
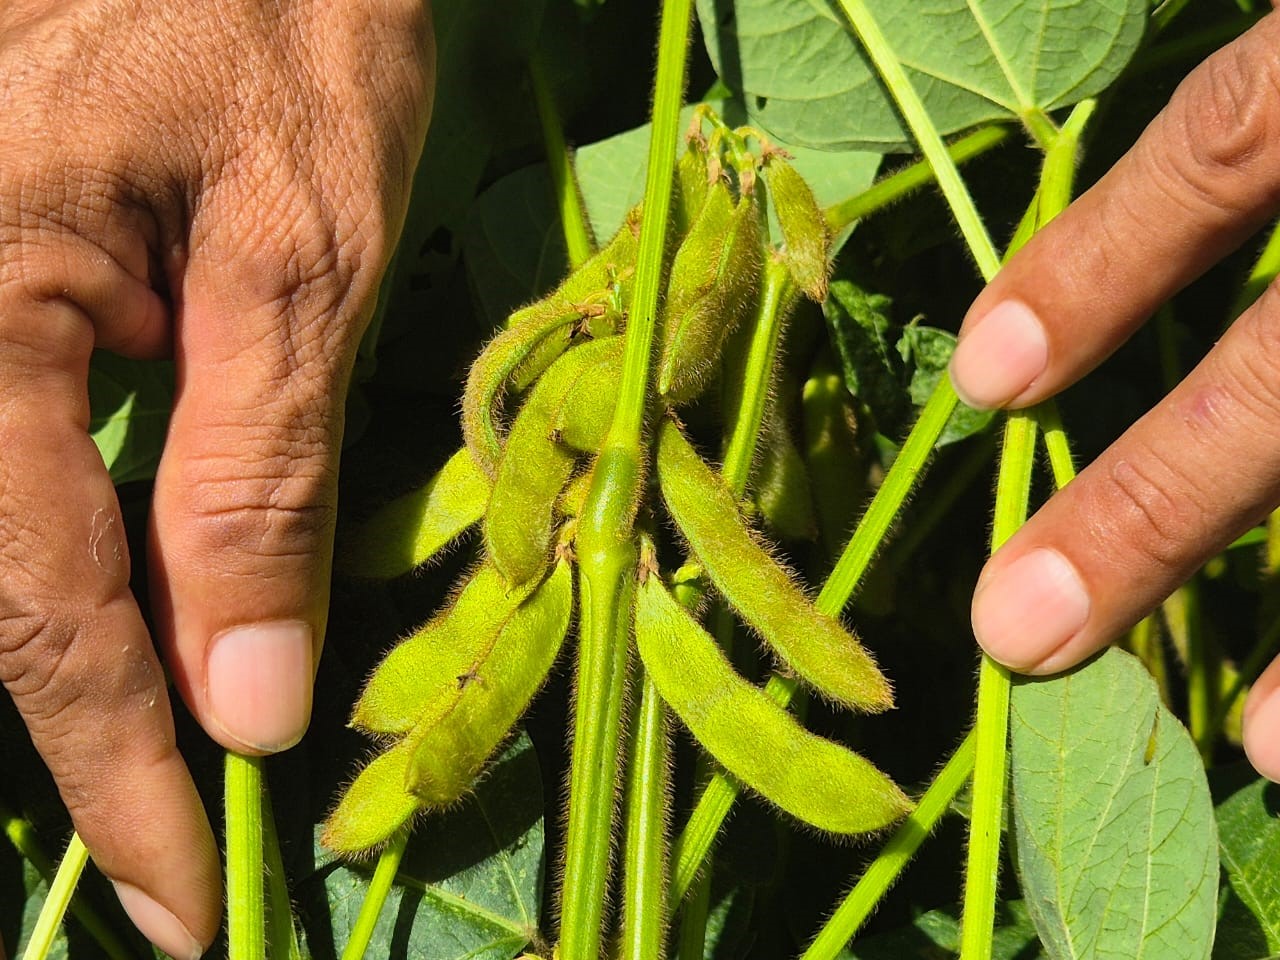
(129, 403)
(469, 887)
(34, 891)
(1249, 847)
(806, 79)
(927, 351)
(1115, 839)
(936, 934)
(861, 330)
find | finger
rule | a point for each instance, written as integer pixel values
(1189, 476)
(245, 498)
(1202, 178)
(74, 652)
(1262, 723)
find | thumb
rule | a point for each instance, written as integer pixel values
(245, 498)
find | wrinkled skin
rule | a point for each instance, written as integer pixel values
(1204, 464)
(221, 182)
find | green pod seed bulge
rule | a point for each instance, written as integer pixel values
(536, 466)
(460, 732)
(587, 410)
(410, 530)
(489, 375)
(424, 669)
(760, 743)
(713, 285)
(816, 647)
(805, 235)
(374, 807)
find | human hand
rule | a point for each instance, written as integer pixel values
(1204, 464)
(223, 181)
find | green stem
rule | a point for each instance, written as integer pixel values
(282, 934)
(61, 890)
(909, 179)
(578, 242)
(775, 300)
(375, 897)
(1013, 487)
(26, 841)
(1056, 443)
(1203, 683)
(644, 897)
(893, 858)
(246, 913)
(693, 922)
(926, 135)
(607, 553)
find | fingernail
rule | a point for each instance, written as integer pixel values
(259, 683)
(1029, 609)
(999, 356)
(157, 924)
(1262, 734)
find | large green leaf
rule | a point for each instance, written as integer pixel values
(1249, 846)
(514, 246)
(1115, 838)
(470, 884)
(808, 81)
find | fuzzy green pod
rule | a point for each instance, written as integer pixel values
(713, 285)
(597, 293)
(410, 530)
(814, 780)
(487, 381)
(587, 411)
(805, 235)
(817, 647)
(574, 495)
(782, 484)
(535, 465)
(461, 730)
(374, 807)
(425, 668)
(693, 184)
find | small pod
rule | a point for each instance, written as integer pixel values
(410, 530)
(693, 183)
(805, 235)
(598, 292)
(374, 807)
(714, 284)
(489, 375)
(460, 731)
(536, 465)
(817, 647)
(424, 669)
(782, 484)
(760, 743)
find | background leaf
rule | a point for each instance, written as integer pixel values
(1249, 847)
(805, 78)
(470, 885)
(1116, 845)
(936, 936)
(129, 402)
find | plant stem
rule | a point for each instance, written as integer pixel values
(644, 897)
(61, 890)
(693, 923)
(909, 179)
(888, 865)
(246, 915)
(25, 840)
(607, 552)
(925, 134)
(1056, 443)
(1013, 488)
(282, 935)
(578, 241)
(375, 897)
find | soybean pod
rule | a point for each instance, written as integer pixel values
(410, 530)
(760, 743)
(460, 731)
(374, 807)
(805, 235)
(536, 466)
(424, 669)
(815, 646)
